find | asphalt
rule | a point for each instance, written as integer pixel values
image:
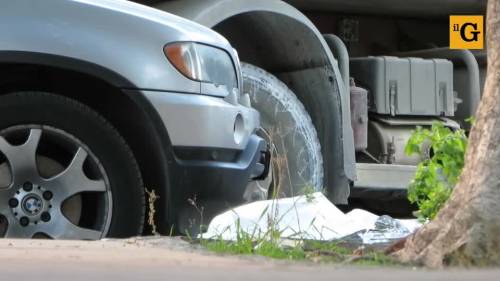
(172, 259)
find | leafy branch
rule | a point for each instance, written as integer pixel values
(436, 176)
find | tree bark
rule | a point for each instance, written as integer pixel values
(467, 230)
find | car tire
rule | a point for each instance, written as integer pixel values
(296, 159)
(112, 200)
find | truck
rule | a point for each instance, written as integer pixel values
(341, 85)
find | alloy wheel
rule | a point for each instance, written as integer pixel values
(51, 186)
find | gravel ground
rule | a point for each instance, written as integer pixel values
(174, 259)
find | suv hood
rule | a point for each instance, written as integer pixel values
(191, 30)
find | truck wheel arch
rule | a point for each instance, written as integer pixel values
(280, 39)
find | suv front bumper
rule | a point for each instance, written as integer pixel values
(194, 120)
(215, 148)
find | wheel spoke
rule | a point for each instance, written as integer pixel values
(73, 180)
(5, 195)
(61, 228)
(22, 158)
(14, 229)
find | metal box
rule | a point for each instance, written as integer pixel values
(406, 86)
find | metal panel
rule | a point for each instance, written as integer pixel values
(203, 121)
(406, 86)
(384, 176)
(121, 36)
(413, 8)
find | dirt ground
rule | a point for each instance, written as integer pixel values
(174, 259)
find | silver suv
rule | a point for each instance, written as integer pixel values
(101, 100)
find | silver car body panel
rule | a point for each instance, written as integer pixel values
(199, 120)
(128, 39)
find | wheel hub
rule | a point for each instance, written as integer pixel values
(31, 204)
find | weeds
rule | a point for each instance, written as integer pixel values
(375, 258)
(200, 210)
(308, 192)
(437, 175)
(152, 197)
(312, 251)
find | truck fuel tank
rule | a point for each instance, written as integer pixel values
(406, 86)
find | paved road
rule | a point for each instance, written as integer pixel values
(169, 259)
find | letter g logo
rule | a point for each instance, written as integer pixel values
(475, 33)
(466, 32)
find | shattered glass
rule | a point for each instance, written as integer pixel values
(386, 230)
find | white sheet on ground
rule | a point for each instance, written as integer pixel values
(307, 217)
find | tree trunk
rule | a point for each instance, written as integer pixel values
(467, 230)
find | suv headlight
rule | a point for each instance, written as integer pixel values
(203, 63)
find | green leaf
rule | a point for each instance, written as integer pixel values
(435, 177)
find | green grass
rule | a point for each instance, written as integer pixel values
(265, 249)
(223, 247)
(376, 259)
(272, 250)
(246, 245)
(312, 251)
(332, 247)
